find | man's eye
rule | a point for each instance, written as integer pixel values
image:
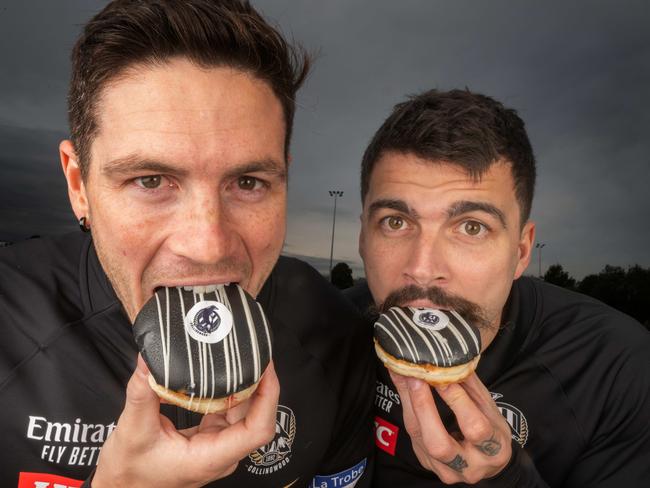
(394, 222)
(248, 183)
(149, 182)
(472, 228)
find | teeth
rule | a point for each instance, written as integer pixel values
(203, 289)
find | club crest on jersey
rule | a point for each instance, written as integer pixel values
(277, 453)
(515, 418)
(430, 319)
(208, 321)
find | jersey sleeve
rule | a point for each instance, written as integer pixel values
(618, 451)
(519, 473)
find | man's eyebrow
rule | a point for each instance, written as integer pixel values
(269, 166)
(393, 204)
(465, 206)
(136, 164)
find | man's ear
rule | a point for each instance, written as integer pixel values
(525, 248)
(362, 238)
(76, 186)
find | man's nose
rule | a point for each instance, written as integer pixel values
(427, 262)
(203, 232)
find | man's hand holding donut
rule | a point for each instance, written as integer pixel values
(145, 449)
(482, 448)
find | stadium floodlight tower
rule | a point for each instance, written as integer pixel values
(336, 194)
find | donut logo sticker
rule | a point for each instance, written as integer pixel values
(430, 318)
(208, 321)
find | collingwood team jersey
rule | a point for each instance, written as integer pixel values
(572, 378)
(67, 352)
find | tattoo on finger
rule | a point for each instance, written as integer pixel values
(457, 464)
(490, 447)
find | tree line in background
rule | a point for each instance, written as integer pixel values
(626, 290)
(341, 276)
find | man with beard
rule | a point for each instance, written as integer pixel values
(561, 395)
(181, 115)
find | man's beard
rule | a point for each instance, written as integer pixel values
(470, 311)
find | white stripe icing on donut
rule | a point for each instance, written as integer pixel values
(427, 336)
(178, 330)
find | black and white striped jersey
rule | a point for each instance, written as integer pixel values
(572, 378)
(68, 350)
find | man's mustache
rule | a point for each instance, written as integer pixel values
(470, 311)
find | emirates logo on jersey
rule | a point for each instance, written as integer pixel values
(277, 453)
(515, 418)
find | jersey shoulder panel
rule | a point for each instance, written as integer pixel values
(310, 305)
(360, 297)
(39, 294)
(599, 356)
(574, 324)
(40, 277)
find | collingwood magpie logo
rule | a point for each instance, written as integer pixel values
(430, 319)
(208, 321)
(277, 453)
(515, 418)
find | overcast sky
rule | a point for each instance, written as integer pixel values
(578, 73)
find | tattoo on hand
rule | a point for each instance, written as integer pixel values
(457, 464)
(490, 447)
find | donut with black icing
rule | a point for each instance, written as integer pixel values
(438, 346)
(205, 351)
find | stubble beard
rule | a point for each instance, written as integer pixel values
(116, 275)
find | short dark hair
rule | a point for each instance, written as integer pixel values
(458, 127)
(209, 33)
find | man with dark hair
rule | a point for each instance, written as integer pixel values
(561, 395)
(180, 116)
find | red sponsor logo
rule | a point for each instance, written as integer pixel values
(386, 435)
(46, 480)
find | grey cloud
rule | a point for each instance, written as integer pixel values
(322, 265)
(576, 71)
(33, 196)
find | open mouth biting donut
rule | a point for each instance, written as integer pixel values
(437, 346)
(206, 346)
